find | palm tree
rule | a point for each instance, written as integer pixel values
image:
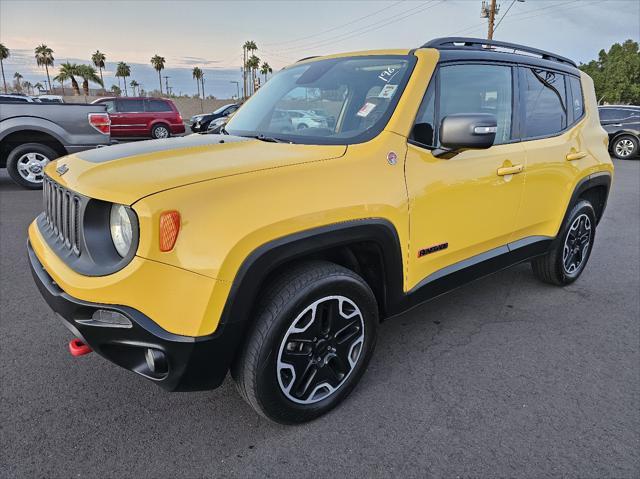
(4, 54)
(116, 90)
(253, 63)
(38, 86)
(99, 59)
(157, 62)
(123, 70)
(197, 76)
(134, 84)
(18, 80)
(249, 46)
(88, 74)
(68, 71)
(44, 57)
(27, 84)
(265, 70)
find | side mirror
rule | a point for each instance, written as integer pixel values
(466, 131)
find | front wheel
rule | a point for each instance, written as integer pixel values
(570, 252)
(160, 131)
(625, 146)
(25, 164)
(314, 334)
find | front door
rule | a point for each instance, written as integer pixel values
(130, 118)
(463, 209)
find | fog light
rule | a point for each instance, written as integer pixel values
(156, 361)
(106, 318)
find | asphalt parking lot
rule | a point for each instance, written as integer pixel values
(505, 377)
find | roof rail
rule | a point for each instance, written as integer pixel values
(307, 58)
(458, 43)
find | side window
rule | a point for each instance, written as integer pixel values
(424, 128)
(545, 102)
(478, 89)
(158, 106)
(577, 99)
(607, 114)
(130, 106)
(110, 104)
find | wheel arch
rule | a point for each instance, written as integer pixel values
(21, 137)
(593, 188)
(620, 133)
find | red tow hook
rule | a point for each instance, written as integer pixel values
(78, 348)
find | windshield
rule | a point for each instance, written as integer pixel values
(335, 101)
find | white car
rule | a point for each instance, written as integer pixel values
(301, 119)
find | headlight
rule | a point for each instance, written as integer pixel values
(121, 229)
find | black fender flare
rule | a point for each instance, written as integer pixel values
(265, 259)
(601, 178)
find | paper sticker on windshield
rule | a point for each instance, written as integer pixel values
(366, 109)
(387, 91)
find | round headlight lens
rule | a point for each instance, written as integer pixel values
(121, 229)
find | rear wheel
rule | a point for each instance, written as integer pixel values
(570, 252)
(25, 164)
(625, 146)
(314, 335)
(160, 131)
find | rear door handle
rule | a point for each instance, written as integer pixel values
(510, 170)
(576, 156)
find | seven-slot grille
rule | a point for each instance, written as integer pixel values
(62, 214)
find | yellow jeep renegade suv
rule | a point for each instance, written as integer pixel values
(349, 188)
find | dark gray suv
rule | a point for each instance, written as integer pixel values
(622, 123)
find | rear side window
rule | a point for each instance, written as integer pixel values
(158, 105)
(13, 99)
(545, 102)
(577, 106)
(478, 89)
(130, 106)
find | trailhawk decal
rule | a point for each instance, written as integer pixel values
(432, 249)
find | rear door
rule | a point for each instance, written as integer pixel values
(552, 107)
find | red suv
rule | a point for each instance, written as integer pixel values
(154, 117)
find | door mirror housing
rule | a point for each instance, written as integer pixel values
(466, 131)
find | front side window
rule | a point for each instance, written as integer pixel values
(478, 89)
(545, 102)
(333, 101)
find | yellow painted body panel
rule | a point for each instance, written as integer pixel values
(235, 197)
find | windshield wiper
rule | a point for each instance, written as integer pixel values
(270, 139)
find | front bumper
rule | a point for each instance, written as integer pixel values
(192, 363)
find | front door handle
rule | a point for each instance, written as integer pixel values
(576, 156)
(510, 170)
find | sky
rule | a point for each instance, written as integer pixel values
(210, 34)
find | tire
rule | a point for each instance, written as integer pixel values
(160, 131)
(570, 251)
(281, 371)
(302, 126)
(624, 147)
(25, 164)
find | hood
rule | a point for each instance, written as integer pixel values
(130, 171)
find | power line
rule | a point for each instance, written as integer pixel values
(367, 28)
(504, 15)
(337, 27)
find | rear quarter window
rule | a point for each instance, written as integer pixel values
(158, 106)
(130, 106)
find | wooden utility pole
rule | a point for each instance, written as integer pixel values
(490, 11)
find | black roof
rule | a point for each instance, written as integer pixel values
(477, 48)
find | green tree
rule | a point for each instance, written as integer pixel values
(253, 63)
(44, 57)
(157, 62)
(123, 70)
(69, 71)
(616, 73)
(116, 90)
(134, 84)
(38, 86)
(248, 47)
(4, 54)
(99, 59)
(197, 76)
(88, 74)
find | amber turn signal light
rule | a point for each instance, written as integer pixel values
(169, 229)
